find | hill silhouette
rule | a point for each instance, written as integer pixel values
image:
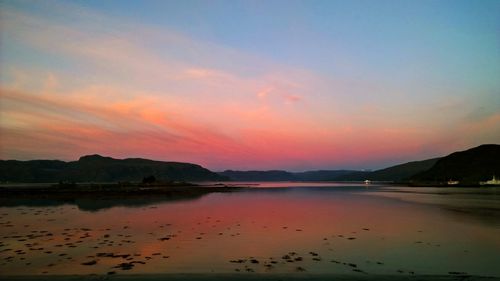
(322, 175)
(279, 175)
(469, 167)
(395, 173)
(272, 175)
(97, 168)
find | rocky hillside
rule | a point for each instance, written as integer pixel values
(96, 168)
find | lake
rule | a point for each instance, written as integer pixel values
(324, 228)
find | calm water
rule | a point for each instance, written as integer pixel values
(289, 227)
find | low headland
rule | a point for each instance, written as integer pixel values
(148, 187)
(96, 196)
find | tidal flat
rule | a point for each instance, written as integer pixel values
(269, 231)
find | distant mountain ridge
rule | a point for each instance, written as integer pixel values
(271, 175)
(97, 168)
(279, 175)
(396, 173)
(467, 167)
(322, 175)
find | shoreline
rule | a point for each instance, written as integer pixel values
(112, 188)
(93, 197)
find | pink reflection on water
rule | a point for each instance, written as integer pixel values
(204, 235)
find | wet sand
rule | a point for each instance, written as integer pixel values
(274, 234)
(250, 277)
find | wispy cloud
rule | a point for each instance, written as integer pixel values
(104, 85)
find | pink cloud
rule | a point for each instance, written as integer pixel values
(293, 98)
(67, 127)
(135, 90)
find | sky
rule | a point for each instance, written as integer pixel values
(294, 85)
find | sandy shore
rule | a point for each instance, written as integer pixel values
(249, 277)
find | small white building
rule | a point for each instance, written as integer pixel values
(493, 181)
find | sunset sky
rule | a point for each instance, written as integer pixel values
(296, 85)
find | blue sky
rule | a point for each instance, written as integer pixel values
(421, 77)
(309, 33)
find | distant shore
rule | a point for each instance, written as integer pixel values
(125, 188)
(95, 196)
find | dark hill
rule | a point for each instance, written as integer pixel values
(96, 168)
(273, 175)
(469, 167)
(322, 175)
(396, 173)
(278, 175)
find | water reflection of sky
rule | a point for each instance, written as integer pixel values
(379, 235)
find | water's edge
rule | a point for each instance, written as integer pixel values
(250, 277)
